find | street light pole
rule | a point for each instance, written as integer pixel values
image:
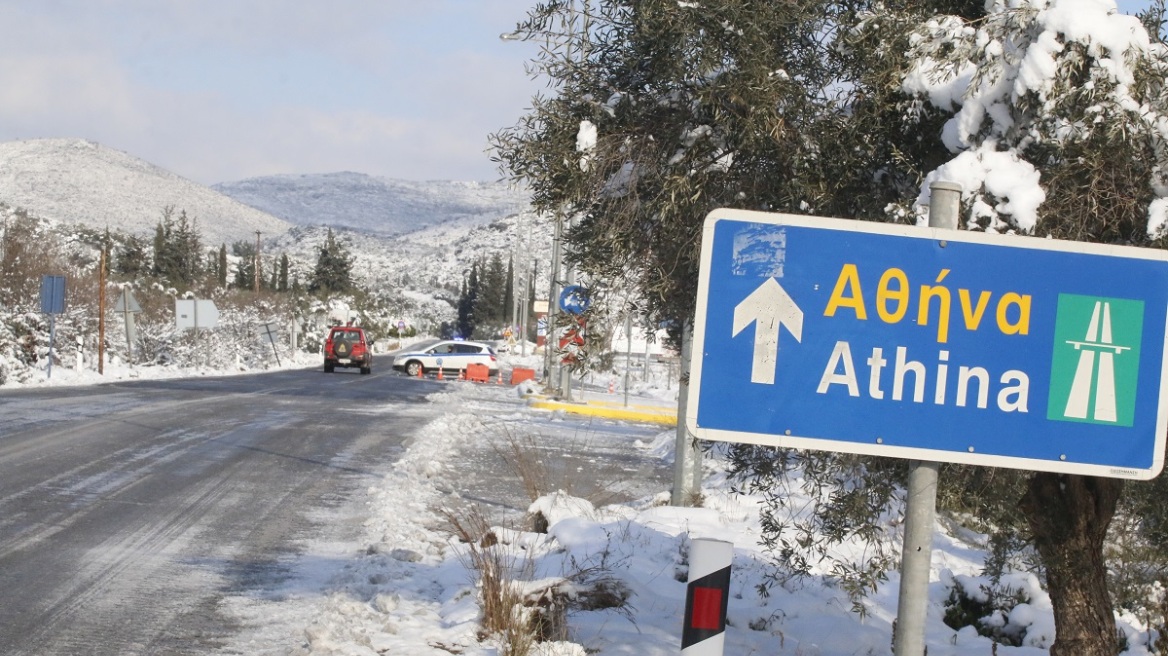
(551, 339)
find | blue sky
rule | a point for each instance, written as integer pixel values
(222, 90)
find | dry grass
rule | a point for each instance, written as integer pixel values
(514, 613)
(542, 470)
(506, 612)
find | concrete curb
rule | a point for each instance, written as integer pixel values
(662, 415)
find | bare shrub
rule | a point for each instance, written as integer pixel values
(498, 570)
(519, 609)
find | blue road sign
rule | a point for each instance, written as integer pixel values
(950, 346)
(574, 299)
(53, 294)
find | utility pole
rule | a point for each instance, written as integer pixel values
(101, 315)
(257, 262)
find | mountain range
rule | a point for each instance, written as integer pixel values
(79, 181)
(373, 205)
(418, 239)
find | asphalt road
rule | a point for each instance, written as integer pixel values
(128, 511)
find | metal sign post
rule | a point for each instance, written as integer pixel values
(920, 512)
(128, 306)
(574, 300)
(272, 331)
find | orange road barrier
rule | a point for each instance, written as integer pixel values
(478, 373)
(520, 374)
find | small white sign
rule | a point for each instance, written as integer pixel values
(195, 313)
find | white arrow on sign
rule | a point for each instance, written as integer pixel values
(769, 307)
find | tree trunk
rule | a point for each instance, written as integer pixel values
(1069, 516)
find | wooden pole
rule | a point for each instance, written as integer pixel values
(257, 265)
(101, 315)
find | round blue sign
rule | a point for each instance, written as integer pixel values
(574, 299)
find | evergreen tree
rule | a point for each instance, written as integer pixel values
(334, 268)
(282, 281)
(162, 263)
(468, 302)
(177, 249)
(132, 260)
(221, 269)
(245, 267)
(509, 294)
(185, 249)
(490, 307)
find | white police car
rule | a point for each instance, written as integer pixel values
(452, 356)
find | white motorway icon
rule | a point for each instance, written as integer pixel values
(770, 308)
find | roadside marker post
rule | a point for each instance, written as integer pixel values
(707, 597)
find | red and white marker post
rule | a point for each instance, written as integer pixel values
(706, 598)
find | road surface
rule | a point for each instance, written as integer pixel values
(128, 511)
(132, 514)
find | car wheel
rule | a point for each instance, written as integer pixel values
(365, 371)
(414, 368)
(328, 367)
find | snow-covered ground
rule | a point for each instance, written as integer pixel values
(403, 586)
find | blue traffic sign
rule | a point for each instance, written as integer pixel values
(53, 294)
(950, 346)
(574, 299)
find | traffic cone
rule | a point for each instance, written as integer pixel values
(420, 373)
(440, 374)
(499, 380)
(462, 374)
(611, 386)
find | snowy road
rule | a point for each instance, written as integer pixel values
(128, 512)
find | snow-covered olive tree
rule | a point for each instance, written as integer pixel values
(1058, 125)
(1050, 113)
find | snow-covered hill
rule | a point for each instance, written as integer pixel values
(424, 268)
(78, 181)
(374, 205)
(411, 242)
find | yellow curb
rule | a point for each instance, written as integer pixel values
(607, 413)
(638, 406)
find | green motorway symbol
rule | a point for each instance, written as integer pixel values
(1096, 361)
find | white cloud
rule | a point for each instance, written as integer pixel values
(217, 91)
